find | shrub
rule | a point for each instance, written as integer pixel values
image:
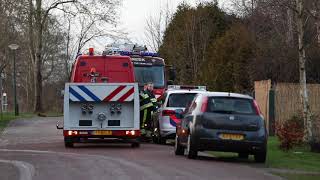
(315, 142)
(290, 133)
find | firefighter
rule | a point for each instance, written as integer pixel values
(148, 105)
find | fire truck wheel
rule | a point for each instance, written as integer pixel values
(135, 145)
(68, 144)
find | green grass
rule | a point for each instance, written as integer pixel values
(298, 176)
(5, 118)
(299, 158)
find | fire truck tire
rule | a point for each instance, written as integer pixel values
(68, 142)
(135, 145)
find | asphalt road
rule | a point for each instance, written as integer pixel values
(34, 149)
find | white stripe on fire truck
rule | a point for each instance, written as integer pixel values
(72, 97)
(102, 92)
(130, 98)
(121, 93)
(82, 94)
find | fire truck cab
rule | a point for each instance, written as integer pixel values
(148, 66)
(101, 101)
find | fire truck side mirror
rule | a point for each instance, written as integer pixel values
(172, 73)
(58, 125)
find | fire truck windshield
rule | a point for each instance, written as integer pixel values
(155, 74)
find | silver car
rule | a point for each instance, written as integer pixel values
(164, 121)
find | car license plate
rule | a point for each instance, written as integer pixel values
(236, 137)
(105, 133)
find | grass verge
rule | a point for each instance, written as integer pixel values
(300, 158)
(5, 118)
(298, 176)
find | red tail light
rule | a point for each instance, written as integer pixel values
(70, 133)
(168, 113)
(204, 104)
(256, 107)
(133, 133)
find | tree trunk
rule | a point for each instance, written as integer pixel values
(38, 75)
(66, 63)
(302, 71)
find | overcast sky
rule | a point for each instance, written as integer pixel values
(134, 14)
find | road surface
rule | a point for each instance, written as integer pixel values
(34, 149)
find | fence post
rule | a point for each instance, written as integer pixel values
(271, 112)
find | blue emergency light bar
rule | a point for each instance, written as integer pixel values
(129, 53)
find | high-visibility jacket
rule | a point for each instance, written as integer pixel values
(145, 100)
(148, 104)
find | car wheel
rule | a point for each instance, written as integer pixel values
(243, 155)
(178, 149)
(162, 140)
(260, 157)
(192, 151)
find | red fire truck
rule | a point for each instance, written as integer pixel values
(102, 100)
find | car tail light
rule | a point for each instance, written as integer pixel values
(204, 104)
(256, 107)
(168, 113)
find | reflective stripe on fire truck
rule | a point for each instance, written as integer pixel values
(81, 93)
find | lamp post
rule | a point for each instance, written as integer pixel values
(14, 47)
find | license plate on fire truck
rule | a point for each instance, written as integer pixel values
(105, 133)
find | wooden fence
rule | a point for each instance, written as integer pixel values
(287, 102)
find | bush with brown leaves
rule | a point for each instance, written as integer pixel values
(290, 133)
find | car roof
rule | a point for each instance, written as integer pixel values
(176, 91)
(227, 94)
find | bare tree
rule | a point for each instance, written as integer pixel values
(155, 27)
(39, 13)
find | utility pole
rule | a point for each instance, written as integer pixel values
(14, 47)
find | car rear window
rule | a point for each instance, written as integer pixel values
(180, 99)
(227, 105)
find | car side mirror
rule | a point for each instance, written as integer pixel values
(179, 113)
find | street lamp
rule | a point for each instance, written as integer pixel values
(14, 47)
